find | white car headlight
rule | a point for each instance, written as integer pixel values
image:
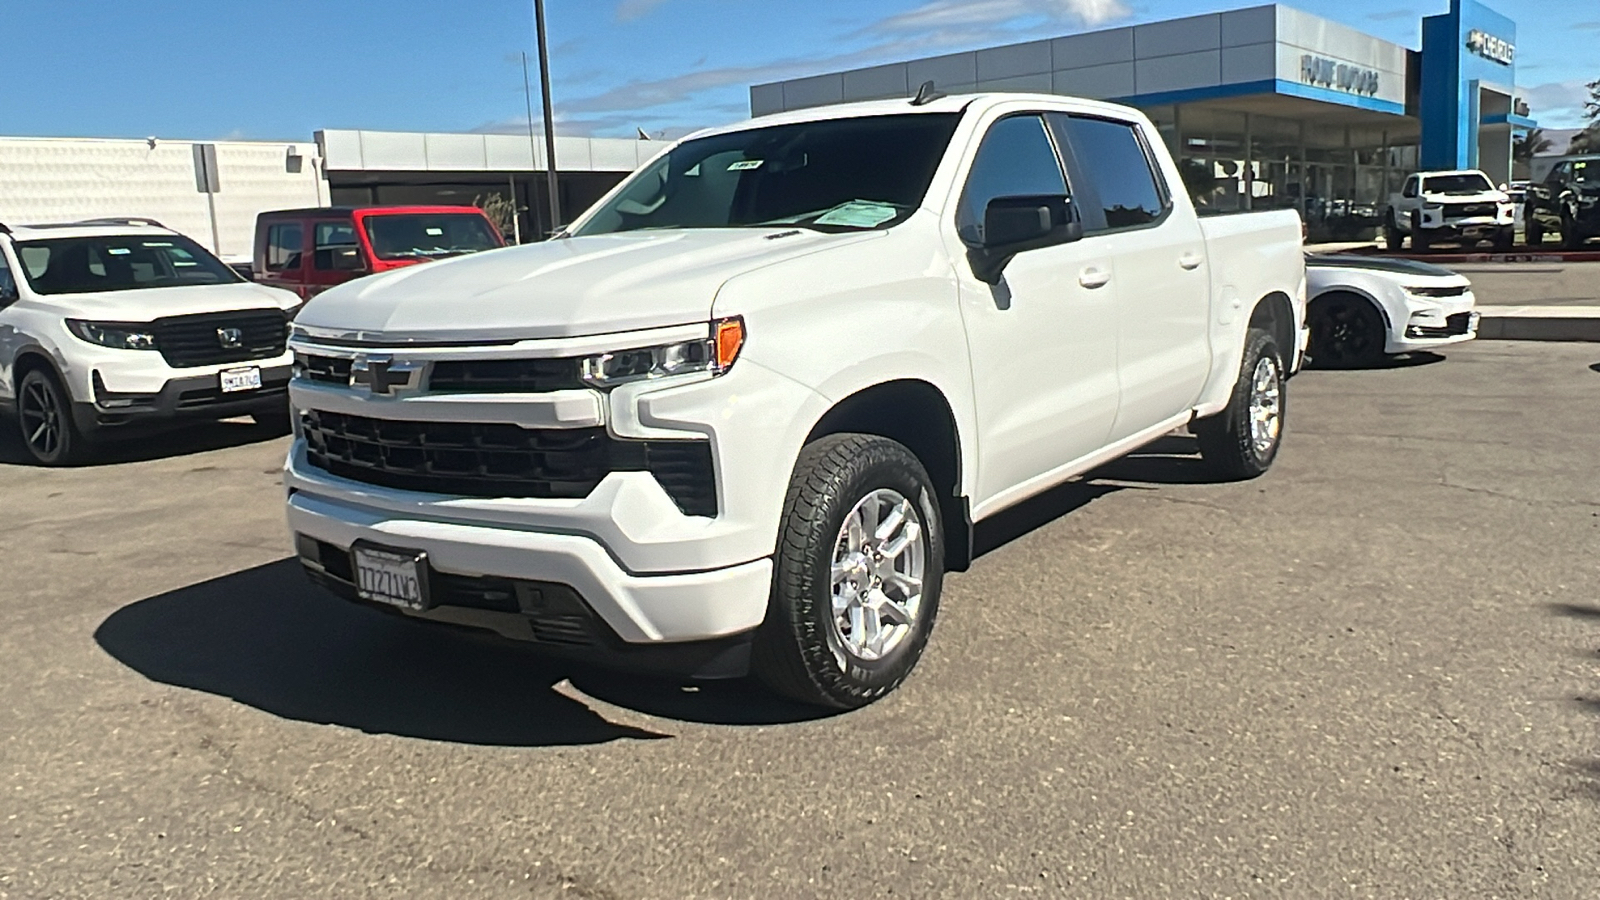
(714, 353)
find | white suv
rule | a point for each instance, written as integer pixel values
(110, 325)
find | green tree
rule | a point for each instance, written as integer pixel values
(1531, 144)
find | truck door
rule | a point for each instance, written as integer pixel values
(1163, 286)
(1043, 341)
(284, 262)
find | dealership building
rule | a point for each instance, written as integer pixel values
(1265, 107)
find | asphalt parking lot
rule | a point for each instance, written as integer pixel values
(1373, 673)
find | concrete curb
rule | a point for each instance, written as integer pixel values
(1539, 323)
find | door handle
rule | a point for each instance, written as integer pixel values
(1093, 277)
(1191, 260)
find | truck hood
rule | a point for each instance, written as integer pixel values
(148, 304)
(571, 287)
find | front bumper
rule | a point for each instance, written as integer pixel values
(1433, 323)
(187, 397)
(634, 609)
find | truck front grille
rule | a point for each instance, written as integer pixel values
(501, 460)
(505, 376)
(324, 369)
(216, 338)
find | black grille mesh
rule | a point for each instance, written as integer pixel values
(505, 376)
(186, 341)
(500, 460)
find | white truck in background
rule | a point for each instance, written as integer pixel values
(1459, 205)
(744, 414)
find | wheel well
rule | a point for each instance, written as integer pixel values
(1382, 313)
(1275, 315)
(29, 361)
(915, 414)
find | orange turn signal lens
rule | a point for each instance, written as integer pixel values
(729, 339)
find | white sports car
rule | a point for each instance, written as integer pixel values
(1365, 308)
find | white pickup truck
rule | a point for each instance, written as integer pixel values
(743, 414)
(1461, 205)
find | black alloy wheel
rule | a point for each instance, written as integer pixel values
(1347, 332)
(1571, 235)
(44, 417)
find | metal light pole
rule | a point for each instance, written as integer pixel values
(549, 116)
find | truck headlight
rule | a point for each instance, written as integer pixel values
(119, 335)
(715, 354)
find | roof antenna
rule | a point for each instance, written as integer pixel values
(925, 95)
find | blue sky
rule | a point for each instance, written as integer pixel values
(280, 69)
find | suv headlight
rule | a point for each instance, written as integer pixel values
(715, 354)
(118, 335)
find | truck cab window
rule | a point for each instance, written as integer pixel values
(336, 246)
(1118, 187)
(284, 247)
(1016, 159)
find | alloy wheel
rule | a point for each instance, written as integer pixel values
(1266, 406)
(879, 561)
(40, 414)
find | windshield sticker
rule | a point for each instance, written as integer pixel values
(858, 214)
(118, 251)
(434, 232)
(158, 243)
(745, 165)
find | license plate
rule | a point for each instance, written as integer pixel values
(234, 380)
(395, 577)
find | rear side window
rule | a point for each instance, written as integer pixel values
(284, 243)
(335, 246)
(1016, 159)
(1117, 186)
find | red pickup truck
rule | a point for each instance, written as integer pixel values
(310, 250)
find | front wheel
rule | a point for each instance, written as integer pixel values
(1572, 237)
(1532, 229)
(1242, 441)
(1419, 238)
(44, 417)
(1391, 234)
(856, 579)
(1347, 332)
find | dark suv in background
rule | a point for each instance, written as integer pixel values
(1566, 202)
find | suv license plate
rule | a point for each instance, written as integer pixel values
(395, 577)
(235, 380)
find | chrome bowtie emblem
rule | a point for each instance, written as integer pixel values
(230, 338)
(379, 374)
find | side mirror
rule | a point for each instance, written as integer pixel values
(1013, 225)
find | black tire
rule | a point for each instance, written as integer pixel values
(45, 423)
(1347, 332)
(1572, 237)
(1227, 440)
(1532, 229)
(1419, 238)
(799, 651)
(1392, 237)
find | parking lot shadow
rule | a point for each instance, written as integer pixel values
(268, 638)
(193, 437)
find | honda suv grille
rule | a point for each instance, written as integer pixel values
(502, 460)
(215, 338)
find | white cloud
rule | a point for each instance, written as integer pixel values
(1557, 103)
(962, 13)
(628, 10)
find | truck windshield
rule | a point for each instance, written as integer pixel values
(1471, 183)
(428, 235)
(92, 264)
(832, 175)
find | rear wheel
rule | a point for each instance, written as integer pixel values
(1347, 332)
(856, 579)
(1391, 234)
(44, 417)
(1242, 441)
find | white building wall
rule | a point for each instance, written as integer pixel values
(67, 179)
